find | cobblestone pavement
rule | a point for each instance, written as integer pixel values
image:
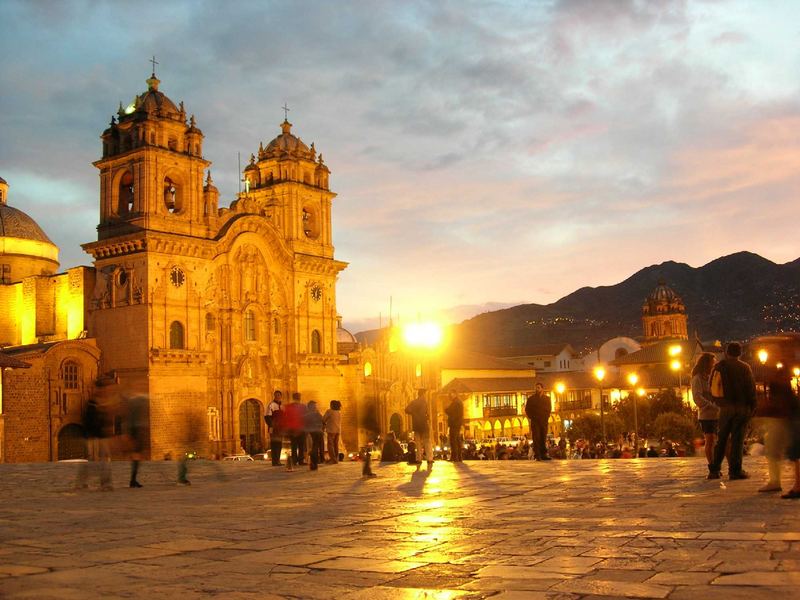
(650, 528)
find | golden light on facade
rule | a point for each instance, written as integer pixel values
(423, 335)
(633, 379)
(560, 388)
(640, 392)
(763, 355)
(599, 373)
(675, 350)
(675, 365)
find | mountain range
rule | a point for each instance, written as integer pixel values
(734, 297)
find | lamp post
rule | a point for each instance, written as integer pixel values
(599, 374)
(633, 379)
(676, 365)
(763, 355)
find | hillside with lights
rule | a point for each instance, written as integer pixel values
(734, 297)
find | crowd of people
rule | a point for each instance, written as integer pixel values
(724, 392)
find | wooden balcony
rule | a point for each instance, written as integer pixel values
(499, 411)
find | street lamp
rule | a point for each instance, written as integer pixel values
(633, 379)
(599, 374)
(796, 373)
(559, 388)
(763, 355)
(676, 365)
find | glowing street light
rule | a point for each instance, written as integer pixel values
(633, 379)
(559, 388)
(676, 365)
(675, 350)
(763, 355)
(600, 374)
(796, 373)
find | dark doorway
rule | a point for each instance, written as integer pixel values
(71, 442)
(250, 426)
(396, 424)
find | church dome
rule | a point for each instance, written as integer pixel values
(344, 337)
(16, 224)
(663, 299)
(154, 102)
(287, 144)
(663, 293)
(25, 249)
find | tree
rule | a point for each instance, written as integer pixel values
(667, 401)
(675, 427)
(588, 427)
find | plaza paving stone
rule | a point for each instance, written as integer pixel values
(649, 528)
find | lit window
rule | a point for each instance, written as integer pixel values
(176, 336)
(418, 370)
(367, 369)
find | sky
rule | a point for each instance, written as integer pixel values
(484, 153)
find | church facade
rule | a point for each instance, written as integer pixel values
(208, 310)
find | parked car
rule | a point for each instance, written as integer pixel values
(238, 458)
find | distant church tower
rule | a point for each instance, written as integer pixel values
(663, 315)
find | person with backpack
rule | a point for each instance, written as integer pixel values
(733, 389)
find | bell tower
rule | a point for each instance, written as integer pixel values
(151, 172)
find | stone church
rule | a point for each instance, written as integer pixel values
(204, 309)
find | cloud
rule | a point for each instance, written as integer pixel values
(481, 151)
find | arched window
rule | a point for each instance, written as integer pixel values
(176, 339)
(316, 342)
(367, 369)
(276, 326)
(250, 326)
(211, 323)
(69, 375)
(126, 191)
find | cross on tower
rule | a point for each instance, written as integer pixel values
(155, 62)
(285, 112)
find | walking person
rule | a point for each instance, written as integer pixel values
(97, 429)
(295, 414)
(455, 423)
(707, 411)
(332, 420)
(733, 388)
(137, 424)
(776, 412)
(313, 426)
(420, 425)
(537, 409)
(274, 418)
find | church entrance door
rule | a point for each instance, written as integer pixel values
(71, 442)
(250, 426)
(396, 424)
